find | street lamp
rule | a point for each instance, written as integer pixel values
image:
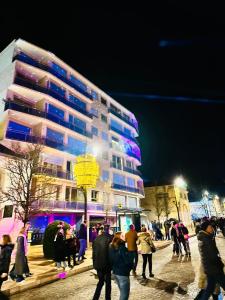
(180, 183)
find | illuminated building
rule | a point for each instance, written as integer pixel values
(43, 100)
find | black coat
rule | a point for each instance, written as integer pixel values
(209, 253)
(100, 252)
(60, 251)
(5, 257)
(72, 246)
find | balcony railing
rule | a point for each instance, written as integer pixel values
(132, 171)
(127, 188)
(120, 132)
(48, 116)
(129, 153)
(26, 83)
(117, 114)
(26, 59)
(24, 137)
(54, 173)
(115, 165)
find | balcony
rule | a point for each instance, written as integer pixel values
(67, 205)
(127, 189)
(45, 115)
(115, 166)
(117, 114)
(47, 91)
(28, 60)
(132, 171)
(23, 137)
(55, 173)
(120, 132)
(129, 153)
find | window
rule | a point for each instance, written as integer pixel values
(103, 101)
(78, 123)
(105, 175)
(105, 136)
(94, 95)
(8, 211)
(76, 147)
(116, 125)
(58, 69)
(94, 195)
(57, 89)
(105, 155)
(117, 162)
(127, 131)
(13, 126)
(55, 136)
(118, 179)
(67, 193)
(77, 101)
(130, 182)
(94, 130)
(78, 83)
(132, 202)
(129, 164)
(73, 194)
(126, 117)
(115, 109)
(55, 111)
(94, 112)
(120, 200)
(103, 118)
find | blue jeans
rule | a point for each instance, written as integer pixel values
(124, 286)
(83, 246)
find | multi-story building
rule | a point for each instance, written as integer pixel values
(43, 100)
(164, 202)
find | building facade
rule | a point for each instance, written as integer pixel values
(167, 202)
(43, 100)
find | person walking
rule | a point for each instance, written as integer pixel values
(131, 240)
(210, 259)
(21, 254)
(6, 248)
(181, 239)
(173, 233)
(186, 237)
(60, 251)
(82, 235)
(71, 248)
(122, 262)
(167, 230)
(147, 248)
(101, 263)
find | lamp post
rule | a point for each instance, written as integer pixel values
(181, 184)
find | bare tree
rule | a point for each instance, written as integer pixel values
(29, 182)
(158, 205)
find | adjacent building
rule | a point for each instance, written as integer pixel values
(43, 100)
(164, 202)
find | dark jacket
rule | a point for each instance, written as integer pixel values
(72, 246)
(5, 257)
(82, 234)
(100, 252)
(60, 251)
(209, 253)
(121, 260)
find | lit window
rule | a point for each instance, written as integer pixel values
(103, 118)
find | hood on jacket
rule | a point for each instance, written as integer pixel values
(203, 235)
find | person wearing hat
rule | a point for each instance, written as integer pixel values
(210, 259)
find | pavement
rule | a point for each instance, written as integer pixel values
(175, 278)
(44, 270)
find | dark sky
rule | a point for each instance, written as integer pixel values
(170, 49)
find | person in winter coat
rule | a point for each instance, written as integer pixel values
(21, 254)
(71, 248)
(176, 244)
(185, 233)
(147, 248)
(60, 251)
(101, 263)
(131, 240)
(82, 235)
(122, 263)
(210, 259)
(6, 248)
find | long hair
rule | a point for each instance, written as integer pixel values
(116, 242)
(6, 239)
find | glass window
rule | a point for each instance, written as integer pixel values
(76, 147)
(130, 182)
(55, 136)
(94, 195)
(129, 164)
(127, 131)
(105, 136)
(120, 200)
(94, 95)
(67, 194)
(103, 101)
(126, 117)
(77, 101)
(55, 111)
(132, 202)
(118, 179)
(94, 130)
(103, 118)
(58, 69)
(94, 112)
(57, 89)
(18, 127)
(105, 175)
(117, 162)
(79, 123)
(116, 125)
(78, 82)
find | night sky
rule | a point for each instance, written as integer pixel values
(173, 51)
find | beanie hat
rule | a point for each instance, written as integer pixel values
(204, 225)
